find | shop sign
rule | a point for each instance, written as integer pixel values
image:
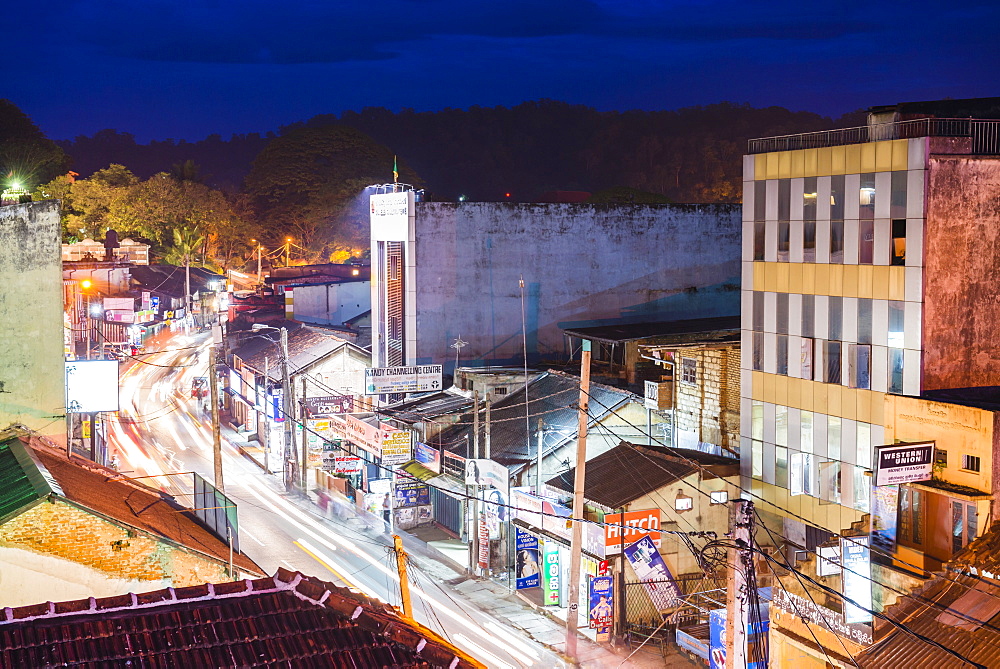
(855, 561)
(556, 520)
(412, 493)
(527, 575)
(416, 379)
(329, 404)
(364, 435)
(346, 464)
(484, 543)
(427, 456)
(637, 526)
(654, 574)
(527, 507)
(601, 603)
(904, 463)
(552, 583)
(397, 447)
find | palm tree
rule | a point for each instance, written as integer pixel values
(187, 242)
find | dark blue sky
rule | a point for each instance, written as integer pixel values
(183, 69)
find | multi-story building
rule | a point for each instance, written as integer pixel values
(869, 271)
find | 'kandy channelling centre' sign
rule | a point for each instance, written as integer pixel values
(904, 463)
(387, 380)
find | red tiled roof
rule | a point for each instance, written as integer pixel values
(101, 490)
(286, 620)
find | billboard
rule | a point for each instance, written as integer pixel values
(410, 492)
(427, 456)
(91, 386)
(855, 561)
(216, 512)
(654, 574)
(416, 379)
(601, 603)
(904, 463)
(397, 447)
(486, 472)
(636, 522)
(527, 560)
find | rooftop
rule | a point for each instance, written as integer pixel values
(985, 397)
(306, 346)
(698, 330)
(628, 471)
(286, 620)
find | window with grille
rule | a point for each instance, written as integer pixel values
(970, 463)
(689, 371)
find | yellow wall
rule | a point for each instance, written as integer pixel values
(878, 282)
(827, 161)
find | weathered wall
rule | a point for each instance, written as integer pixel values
(67, 533)
(32, 376)
(962, 273)
(583, 265)
(332, 304)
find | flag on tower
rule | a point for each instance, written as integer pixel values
(395, 171)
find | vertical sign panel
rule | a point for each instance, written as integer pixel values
(857, 572)
(527, 560)
(552, 581)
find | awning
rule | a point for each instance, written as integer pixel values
(417, 470)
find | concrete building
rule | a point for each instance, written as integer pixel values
(444, 271)
(870, 278)
(32, 374)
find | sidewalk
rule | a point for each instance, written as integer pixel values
(442, 559)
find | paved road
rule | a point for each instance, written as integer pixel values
(161, 431)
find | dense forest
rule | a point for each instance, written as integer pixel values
(302, 180)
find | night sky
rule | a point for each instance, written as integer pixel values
(180, 69)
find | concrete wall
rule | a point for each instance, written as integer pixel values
(32, 372)
(332, 304)
(583, 265)
(962, 273)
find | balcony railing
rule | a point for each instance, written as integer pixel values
(985, 135)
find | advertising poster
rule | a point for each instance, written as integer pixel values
(717, 639)
(397, 447)
(484, 543)
(885, 505)
(495, 509)
(412, 493)
(601, 603)
(527, 560)
(637, 526)
(904, 463)
(427, 456)
(654, 574)
(552, 581)
(91, 386)
(855, 561)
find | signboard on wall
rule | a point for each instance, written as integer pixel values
(552, 581)
(855, 561)
(486, 472)
(904, 463)
(427, 456)
(415, 379)
(91, 386)
(390, 213)
(637, 525)
(528, 570)
(329, 404)
(397, 447)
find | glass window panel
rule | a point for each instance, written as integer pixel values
(866, 242)
(757, 420)
(757, 360)
(781, 466)
(809, 241)
(862, 489)
(782, 355)
(758, 311)
(784, 240)
(781, 425)
(896, 324)
(833, 424)
(897, 248)
(784, 199)
(795, 474)
(836, 317)
(860, 359)
(896, 371)
(867, 196)
(760, 200)
(837, 242)
(957, 525)
(864, 320)
(758, 239)
(864, 455)
(809, 194)
(971, 522)
(781, 313)
(829, 482)
(806, 427)
(897, 196)
(806, 359)
(809, 475)
(836, 197)
(808, 315)
(757, 459)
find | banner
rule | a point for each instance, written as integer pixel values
(484, 543)
(388, 380)
(552, 582)
(654, 574)
(495, 510)
(885, 507)
(330, 404)
(488, 473)
(601, 603)
(527, 560)
(856, 564)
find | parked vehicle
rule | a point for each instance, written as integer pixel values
(199, 387)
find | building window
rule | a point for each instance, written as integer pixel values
(862, 489)
(809, 241)
(867, 197)
(760, 203)
(831, 362)
(758, 311)
(829, 482)
(970, 463)
(758, 239)
(897, 251)
(758, 351)
(784, 199)
(859, 358)
(897, 194)
(689, 371)
(806, 431)
(940, 458)
(781, 313)
(963, 524)
(781, 466)
(809, 194)
(833, 425)
(781, 425)
(837, 242)
(757, 420)
(837, 197)
(866, 242)
(864, 320)
(895, 336)
(757, 459)
(808, 315)
(835, 318)
(784, 240)
(782, 353)
(895, 371)
(911, 515)
(806, 359)
(719, 496)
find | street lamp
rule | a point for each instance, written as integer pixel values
(286, 402)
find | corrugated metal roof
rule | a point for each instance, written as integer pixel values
(22, 485)
(723, 328)
(552, 398)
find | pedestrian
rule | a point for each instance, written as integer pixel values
(386, 510)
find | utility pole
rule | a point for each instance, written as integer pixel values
(486, 440)
(474, 548)
(305, 444)
(404, 581)
(538, 459)
(737, 594)
(286, 407)
(576, 547)
(263, 416)
(213, 386)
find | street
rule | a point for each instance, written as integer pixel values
(162, 434)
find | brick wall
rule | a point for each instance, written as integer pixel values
(63, 530)
(710, 407)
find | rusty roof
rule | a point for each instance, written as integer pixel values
(288, 620)
(105, 492)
